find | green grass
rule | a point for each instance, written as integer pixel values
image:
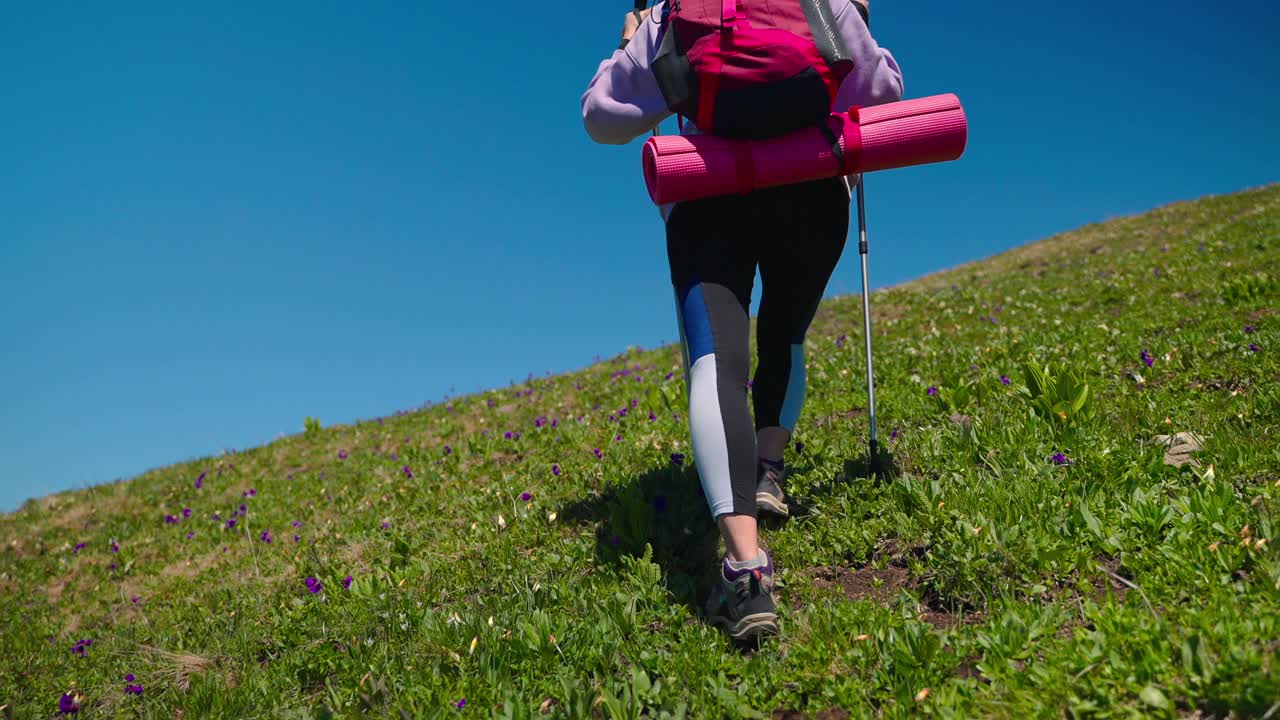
(980, 578)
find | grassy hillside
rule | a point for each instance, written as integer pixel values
(544, 549)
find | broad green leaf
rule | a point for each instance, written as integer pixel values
(1152, 696)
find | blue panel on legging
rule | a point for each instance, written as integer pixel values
(794, 398)
(697, 323)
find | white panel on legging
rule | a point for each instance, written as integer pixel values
(710, 446)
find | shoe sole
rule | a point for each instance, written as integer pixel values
(751, 627)
(767, 502)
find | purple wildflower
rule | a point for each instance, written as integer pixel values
(115, 547)
(76, 550)
(1248, 329)
(217, 516)
(191, 534)
(129, 677)
(136, 600)
(297, 538)
(346, 582)
(652, 417)
(69, 704)
(840, 341)
(1254, 347)
(186, 512)
(133, 689)
(677, 459)
(555, 470)
(200, 480)
(461, 703)
(244, 508)
(314, 585)
(170, 519)
(893, 435)
(1147, 359)
(448, 450)
(669, 376)
(297, 523)
(1060, 459)
(342, 454)
(1004, 380)
(933, 390)
(526, 496)
(599, 455)
(540, 421)
(81, 648)
(617, 438)
(266, 536)
(555, 422)
(231, 523)
(386, 524)
(407, 472)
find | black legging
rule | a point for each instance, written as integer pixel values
(796, 234)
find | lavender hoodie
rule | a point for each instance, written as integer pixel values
(623, 100)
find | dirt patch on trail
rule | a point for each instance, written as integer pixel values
(883, 585)
(834, 417)
(192, 567)
(944, 620)
(1106, 583)
(868, 583)
(828, 714)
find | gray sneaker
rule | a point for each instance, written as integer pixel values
(769, 497)
(741, 602)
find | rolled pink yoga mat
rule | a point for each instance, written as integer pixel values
(678, 168)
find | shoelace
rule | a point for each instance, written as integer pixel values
(771, 474)
(749, 584)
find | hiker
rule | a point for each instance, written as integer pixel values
(794, 233)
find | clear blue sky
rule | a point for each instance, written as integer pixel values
(217, 220)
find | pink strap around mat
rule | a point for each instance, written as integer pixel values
(679, 168)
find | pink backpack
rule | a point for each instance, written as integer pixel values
(751, 69)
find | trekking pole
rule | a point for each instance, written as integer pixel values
(874, 462)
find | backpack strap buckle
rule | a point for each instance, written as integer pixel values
(729, 13)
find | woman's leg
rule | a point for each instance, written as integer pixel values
(806, 226)
(711, 247)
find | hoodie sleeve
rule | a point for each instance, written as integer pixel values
(876, 78)
(623, 100)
